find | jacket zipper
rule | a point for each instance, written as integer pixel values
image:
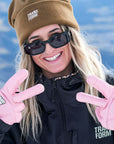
(61, 106)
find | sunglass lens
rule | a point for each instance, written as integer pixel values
(58, 40)
(36, 47)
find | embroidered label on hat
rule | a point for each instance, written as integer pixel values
(32, 15)
(101, 132)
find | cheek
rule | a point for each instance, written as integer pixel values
(67, 53)
(37, 60)
(61, 64)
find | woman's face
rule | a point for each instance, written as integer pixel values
(53, 62)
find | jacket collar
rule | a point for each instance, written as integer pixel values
(66, 87)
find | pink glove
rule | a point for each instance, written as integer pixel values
(105, 106)
(11, 103)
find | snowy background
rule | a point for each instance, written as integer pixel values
(96, 20)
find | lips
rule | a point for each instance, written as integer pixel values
(53, 58)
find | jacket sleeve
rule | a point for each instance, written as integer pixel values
(110, 80)
(10, 134)
(4, 128)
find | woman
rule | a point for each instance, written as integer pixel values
(59, 60)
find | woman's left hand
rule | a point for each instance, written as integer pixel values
(105, 106)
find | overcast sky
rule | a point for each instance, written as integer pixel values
(96, 20)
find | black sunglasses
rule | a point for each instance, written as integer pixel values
(57, 40)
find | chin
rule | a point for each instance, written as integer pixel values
(56, 71)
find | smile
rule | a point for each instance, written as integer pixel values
(54, 57)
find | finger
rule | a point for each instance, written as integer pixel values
(18, 117)
(100, 85)
(6, 120)
(4, 111)
(13, 83)
(98, 114)
(29, 93)
(19, 107)
(86, 98)
(17, 91)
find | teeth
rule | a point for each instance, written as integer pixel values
(53, 58)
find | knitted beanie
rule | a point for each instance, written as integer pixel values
(28, 15)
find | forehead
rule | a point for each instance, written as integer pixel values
(45, 29)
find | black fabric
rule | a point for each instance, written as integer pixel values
(65, 120)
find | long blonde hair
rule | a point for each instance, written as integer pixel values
(84, 57)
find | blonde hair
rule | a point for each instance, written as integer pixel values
(88, 60)
(84, 57)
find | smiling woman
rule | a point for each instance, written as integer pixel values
(42, 101)
(53, 60)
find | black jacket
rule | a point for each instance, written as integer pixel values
(65, 120)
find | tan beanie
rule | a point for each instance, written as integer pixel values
(28, 15)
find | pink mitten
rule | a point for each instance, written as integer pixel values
(105, 106)
(11, 103)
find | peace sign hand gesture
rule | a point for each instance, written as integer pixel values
(105, 106)
(11, 103)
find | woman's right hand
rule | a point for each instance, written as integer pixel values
(11, 103)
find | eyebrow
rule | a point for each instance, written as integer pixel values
(54, 30)
(33, 37)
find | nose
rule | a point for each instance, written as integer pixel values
(49, 49)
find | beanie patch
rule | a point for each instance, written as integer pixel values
(32, 14)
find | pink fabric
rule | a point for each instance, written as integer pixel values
(105, 106)
(10, 111)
